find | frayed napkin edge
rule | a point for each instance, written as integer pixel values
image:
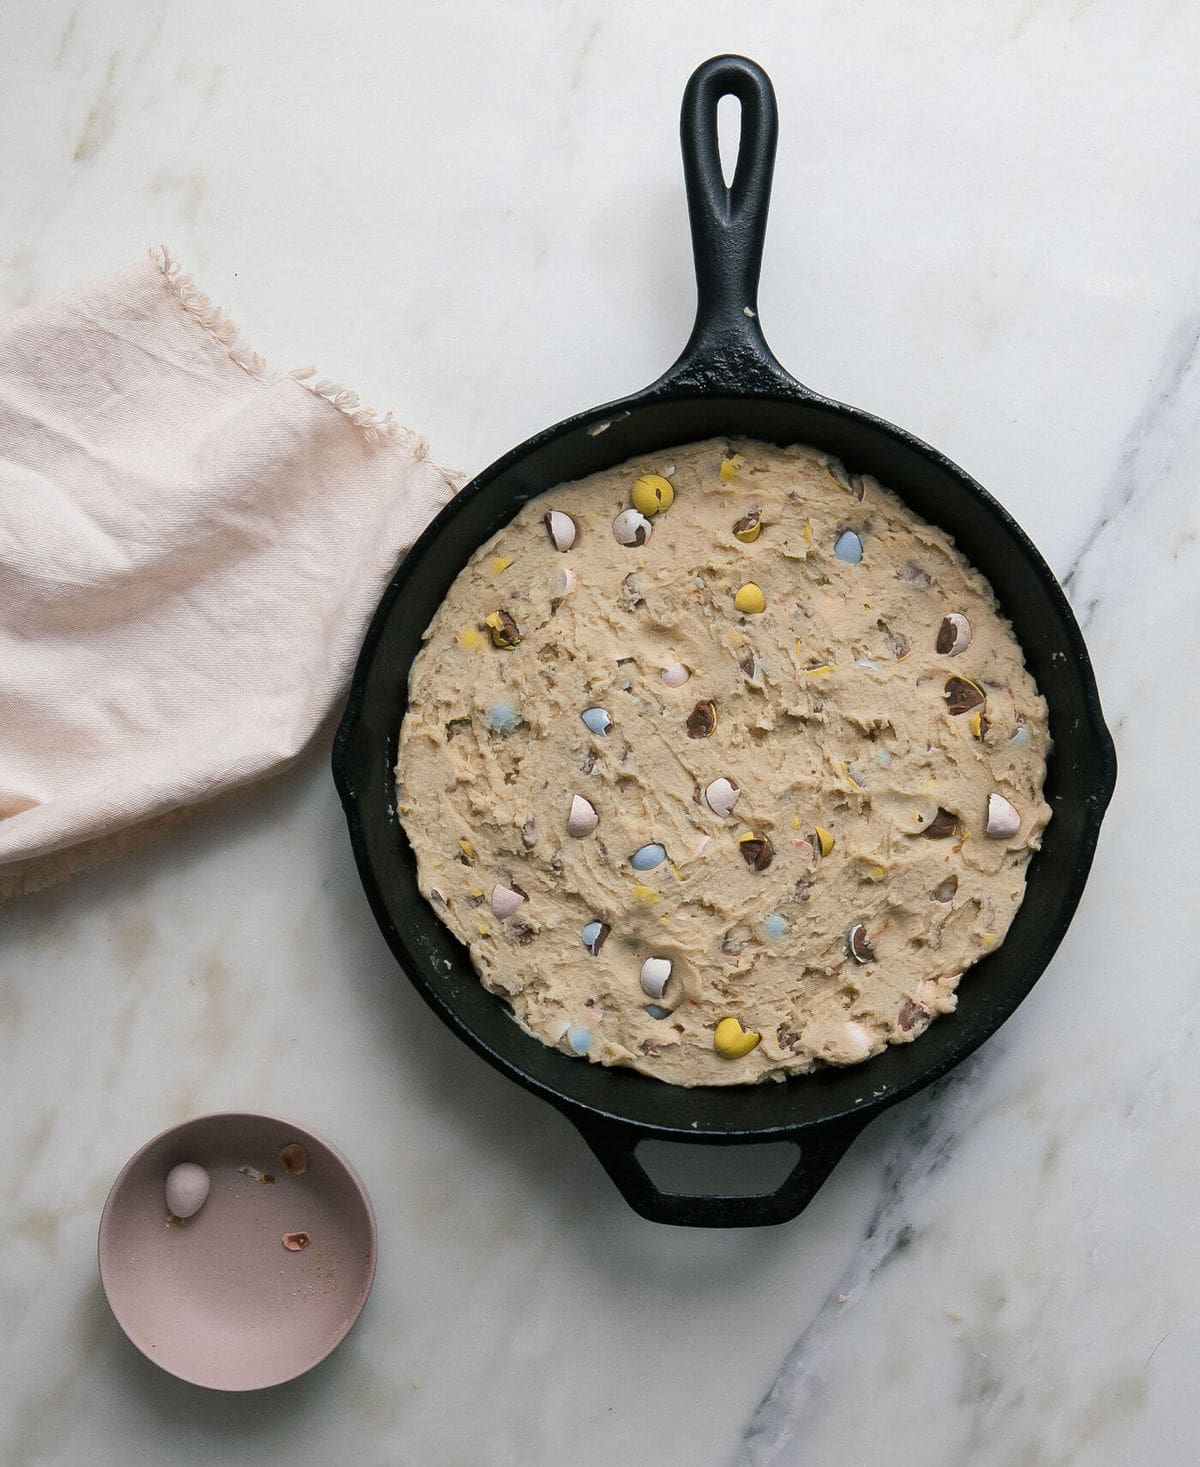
(217, 322)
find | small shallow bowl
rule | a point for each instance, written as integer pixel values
(217, 1299)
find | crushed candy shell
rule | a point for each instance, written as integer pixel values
(631, 527)
(579, 1038)
(775, 925)
(731, 1041)
(962, 695)
(675, 674)
(656, 1011)
(500, 563)
(849, 547)
(825, 841)
(978, 724)
(750, 600)
(652, 494)
(503, 629)
(1021, 737)
(721, 796)
(646, 895)
(296, 1242)
(647, 857)
(467, 851)
(593, 936)
(729, 468)
(749, 527)
(564, 584)
(582, 819)
(503, 718)
(597, 720)
(1003, 821)
(655, 975)
(473, 638)
(943, 824)
(909, 1014)
(294, 1159)
(561, 529)
(757, 850)
(702, 720)
(954, 635)
(858, 945)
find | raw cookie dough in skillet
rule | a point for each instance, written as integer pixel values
(722, 763)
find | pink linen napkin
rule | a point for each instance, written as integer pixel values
(190, 551)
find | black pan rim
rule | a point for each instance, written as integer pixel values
(872, 1105)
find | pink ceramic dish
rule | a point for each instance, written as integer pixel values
(218, 1300)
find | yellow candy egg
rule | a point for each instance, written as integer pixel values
(750, 599)
(651, 494)
(731, 1041)
(824, 840)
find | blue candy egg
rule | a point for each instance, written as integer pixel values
(775, 925)
(645, 858)
(503, 718)
(579, 1038)
(848, 547)
(656, 1011)
(597, 720)
(592, 936)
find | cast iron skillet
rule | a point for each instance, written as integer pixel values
(726, 382)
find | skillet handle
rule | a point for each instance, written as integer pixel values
(615, 1147)
(727, 349)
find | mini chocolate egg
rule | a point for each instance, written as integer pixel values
(506, 900)
(721, 796)
(749, 599)
(652, 494)
(849, 547)
(645, 858)
(954, 635)
(582, 818)
(631, 527)
(187, 1189)
(593, 934)
(731, 1041)
(656, 974)
(579, 1038)
(675, 674)
(1003, 821)
(561, 529)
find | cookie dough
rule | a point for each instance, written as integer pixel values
(700, 762)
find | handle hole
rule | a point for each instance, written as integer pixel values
(755, 1170)
(729, 135)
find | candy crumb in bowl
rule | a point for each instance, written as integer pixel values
(209, 1294)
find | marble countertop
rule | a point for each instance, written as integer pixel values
(986, 227)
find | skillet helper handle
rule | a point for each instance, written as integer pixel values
(615, 1147)
(727, 349)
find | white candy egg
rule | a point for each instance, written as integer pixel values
(187, 1189)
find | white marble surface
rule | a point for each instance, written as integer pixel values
(986, 227)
